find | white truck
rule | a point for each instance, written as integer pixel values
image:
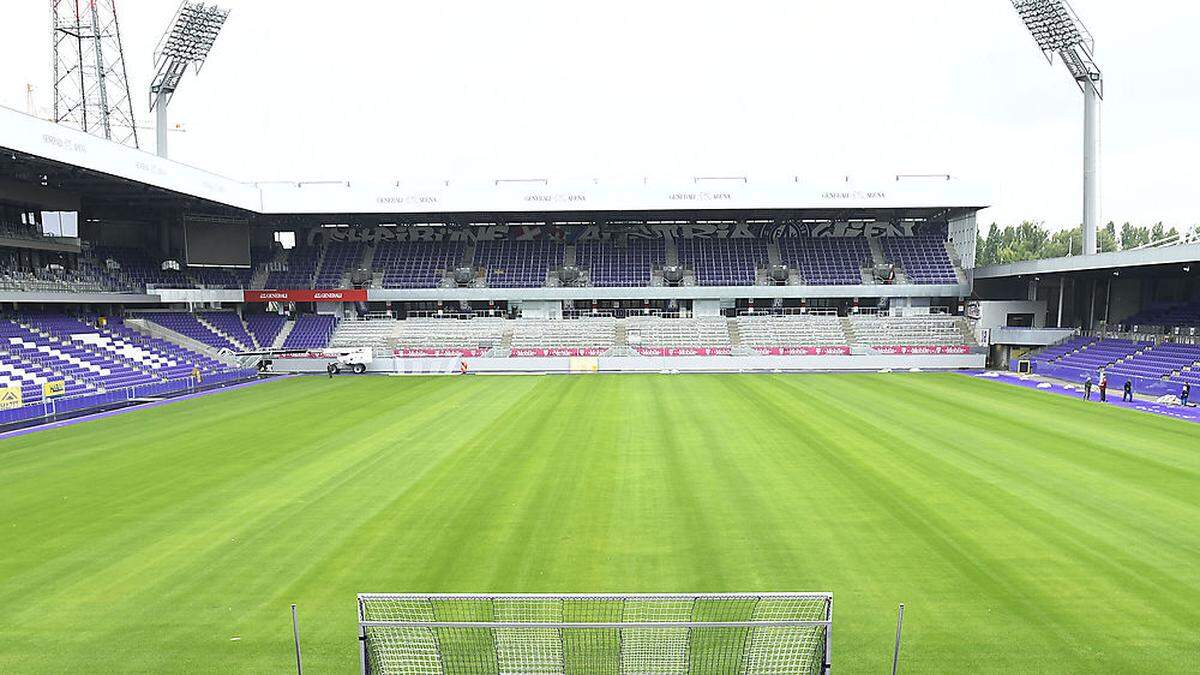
(352, 359)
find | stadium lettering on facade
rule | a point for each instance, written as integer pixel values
(410, 199)
(63, 143)
(556, 199)
(717, 230)
(854, 195)
(700, 196)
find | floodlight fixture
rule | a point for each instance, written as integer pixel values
(187, 42)
(1057, 29)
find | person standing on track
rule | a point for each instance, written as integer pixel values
(1128, 394)
(1103, 387)
(1087, 388)
(1185, 393)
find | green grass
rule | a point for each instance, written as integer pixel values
(1026, 532)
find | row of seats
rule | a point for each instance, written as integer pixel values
(771, 332)
(504, 264)
(38, 349)
(1186, 314)
(883, 331)
(647, 334)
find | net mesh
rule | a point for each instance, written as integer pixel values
(574, 646)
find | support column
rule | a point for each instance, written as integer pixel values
(160, 124)
(1062, 284)
(1091, 165)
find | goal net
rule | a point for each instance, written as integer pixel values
(601, 634)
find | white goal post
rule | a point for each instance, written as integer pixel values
(595, 633)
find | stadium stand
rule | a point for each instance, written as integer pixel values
(220, 277)
(505, 264)
(878, 331)
(338, 259)
(416, 264)
(1101, 354)
(264, 327)
(827, 261)
(923, 258)
(445, 336)
(137, 269)
(36, 349)
(311, 331)
(591, 336)
(229, 325)
(1157, 361)
(189, 326)
(724, 262)
(770, 334)
(373, 333)
(653, 335)
(518, 264)
(1167, 315)
(301, 267)
(610, 265)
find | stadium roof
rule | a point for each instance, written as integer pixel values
(114, 174)
(1147, 257)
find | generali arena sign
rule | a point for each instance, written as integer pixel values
(303, 295)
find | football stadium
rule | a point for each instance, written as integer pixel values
(718, 424)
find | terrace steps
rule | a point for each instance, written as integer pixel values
(283, 334)
(208, 324)
(848, 329)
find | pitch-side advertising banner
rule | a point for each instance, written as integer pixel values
(303, 295)
(805, 351)
(924, 349)
(10, 398)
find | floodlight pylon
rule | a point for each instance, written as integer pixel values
(1057, 29)
(91, 86)
(187, 42)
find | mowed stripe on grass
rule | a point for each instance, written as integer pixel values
(1026, 533)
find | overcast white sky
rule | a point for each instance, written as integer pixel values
(308, 89)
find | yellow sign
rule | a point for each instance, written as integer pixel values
(10, 398)
(584, 364)
(52, 389)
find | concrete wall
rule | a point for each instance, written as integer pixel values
(654, 364)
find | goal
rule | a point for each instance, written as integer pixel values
(602, 634)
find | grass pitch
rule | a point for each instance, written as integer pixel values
(1025, 532)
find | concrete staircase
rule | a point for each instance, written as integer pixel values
(671, 250)
(735, 335)
(241, 345)
(259, 278)
(283, 334)
(621, 334)
(876, 251)
(848, 329)
(957, 262)
(156, 331)
(774, 257)
(967, 331)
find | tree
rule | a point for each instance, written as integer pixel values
(1106, 239)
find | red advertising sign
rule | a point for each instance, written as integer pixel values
(560, 351)
(306, 295)
(684, 351)
(440, 353)
(805, 351)
(924, 349)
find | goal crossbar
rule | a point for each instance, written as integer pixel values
(602, 633)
